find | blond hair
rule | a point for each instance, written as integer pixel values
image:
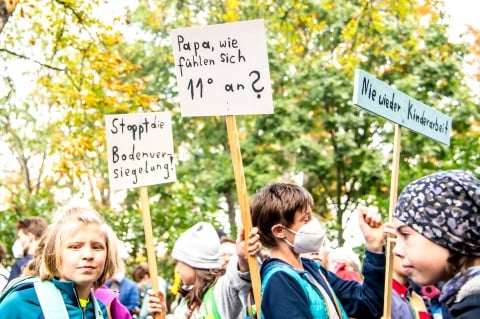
(65, 220)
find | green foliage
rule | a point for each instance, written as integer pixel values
(84, 68)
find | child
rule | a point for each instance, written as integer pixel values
(79, 254)
(406, 303)
(437, 219)
(346, 264)
(295, 287)
(208, 290)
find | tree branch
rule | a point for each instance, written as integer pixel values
(18, 55)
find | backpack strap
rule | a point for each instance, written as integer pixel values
(51, 300)
(209, 304)
(97, 309)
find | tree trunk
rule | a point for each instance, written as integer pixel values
(4, 14)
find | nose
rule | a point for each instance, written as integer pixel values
(87, 252)
(399, 248)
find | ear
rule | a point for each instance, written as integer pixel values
(278, 231)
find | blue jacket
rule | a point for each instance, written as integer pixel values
(128, 294)
(283, 297)
(23, 303)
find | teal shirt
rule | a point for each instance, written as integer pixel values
(24, 304)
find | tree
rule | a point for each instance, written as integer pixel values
(83, 68)
(316, 131)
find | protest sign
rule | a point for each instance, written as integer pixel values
(139, 149)
(140, 153)
(380, 98)
(222, 69)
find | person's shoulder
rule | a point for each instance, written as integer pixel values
(19, 291)
(470, 288)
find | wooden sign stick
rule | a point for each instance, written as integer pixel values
(387, 301)
(151, 256)
(244, 205)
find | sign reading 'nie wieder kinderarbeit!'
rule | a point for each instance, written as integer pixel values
(375, 96)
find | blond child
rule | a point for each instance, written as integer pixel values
(79, 254)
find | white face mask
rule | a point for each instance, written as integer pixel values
(17, 249)
(309, 238)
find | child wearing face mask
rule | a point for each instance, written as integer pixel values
(296, 287)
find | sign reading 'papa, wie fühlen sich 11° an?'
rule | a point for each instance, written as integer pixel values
(380, 98)
(222, 69)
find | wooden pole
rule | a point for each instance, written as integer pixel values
(151, 256)
(244, 205)
(387, 301)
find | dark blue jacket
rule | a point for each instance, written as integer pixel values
(23, 303)
(128, 294)
(283, 296)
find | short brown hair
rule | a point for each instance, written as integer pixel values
(3, 252)
(67, 219)
(140, 271)
(34, 225)
(277, 204)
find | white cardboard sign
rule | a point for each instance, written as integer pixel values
(139, 149)
(222, 69)
(378, 97)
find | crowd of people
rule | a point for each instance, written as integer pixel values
(72, 268)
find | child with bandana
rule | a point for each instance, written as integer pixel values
(437, 220)
(296, 287)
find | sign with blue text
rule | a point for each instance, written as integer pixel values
(139, 149)
(222, 69)
(378, 97)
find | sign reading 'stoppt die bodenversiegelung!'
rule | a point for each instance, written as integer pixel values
(222, 69)
(140, 149)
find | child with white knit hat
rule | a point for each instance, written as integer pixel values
(208, 290)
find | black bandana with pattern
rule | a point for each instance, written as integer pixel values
(445, 208)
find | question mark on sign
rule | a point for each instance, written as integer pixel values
(257, 78)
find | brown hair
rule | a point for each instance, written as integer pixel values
(457, 262)
(33, 225)
(33, 266)
(140, 272)
(204, 279)
(277, 204)
(67, 218)
(3, 253)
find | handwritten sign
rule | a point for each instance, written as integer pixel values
(222, 69)
(140, 149)
(380, 98)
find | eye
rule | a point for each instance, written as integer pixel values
(98, 247)
(403, 234)
(74, 246)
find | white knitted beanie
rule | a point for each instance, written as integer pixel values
(198, 247)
